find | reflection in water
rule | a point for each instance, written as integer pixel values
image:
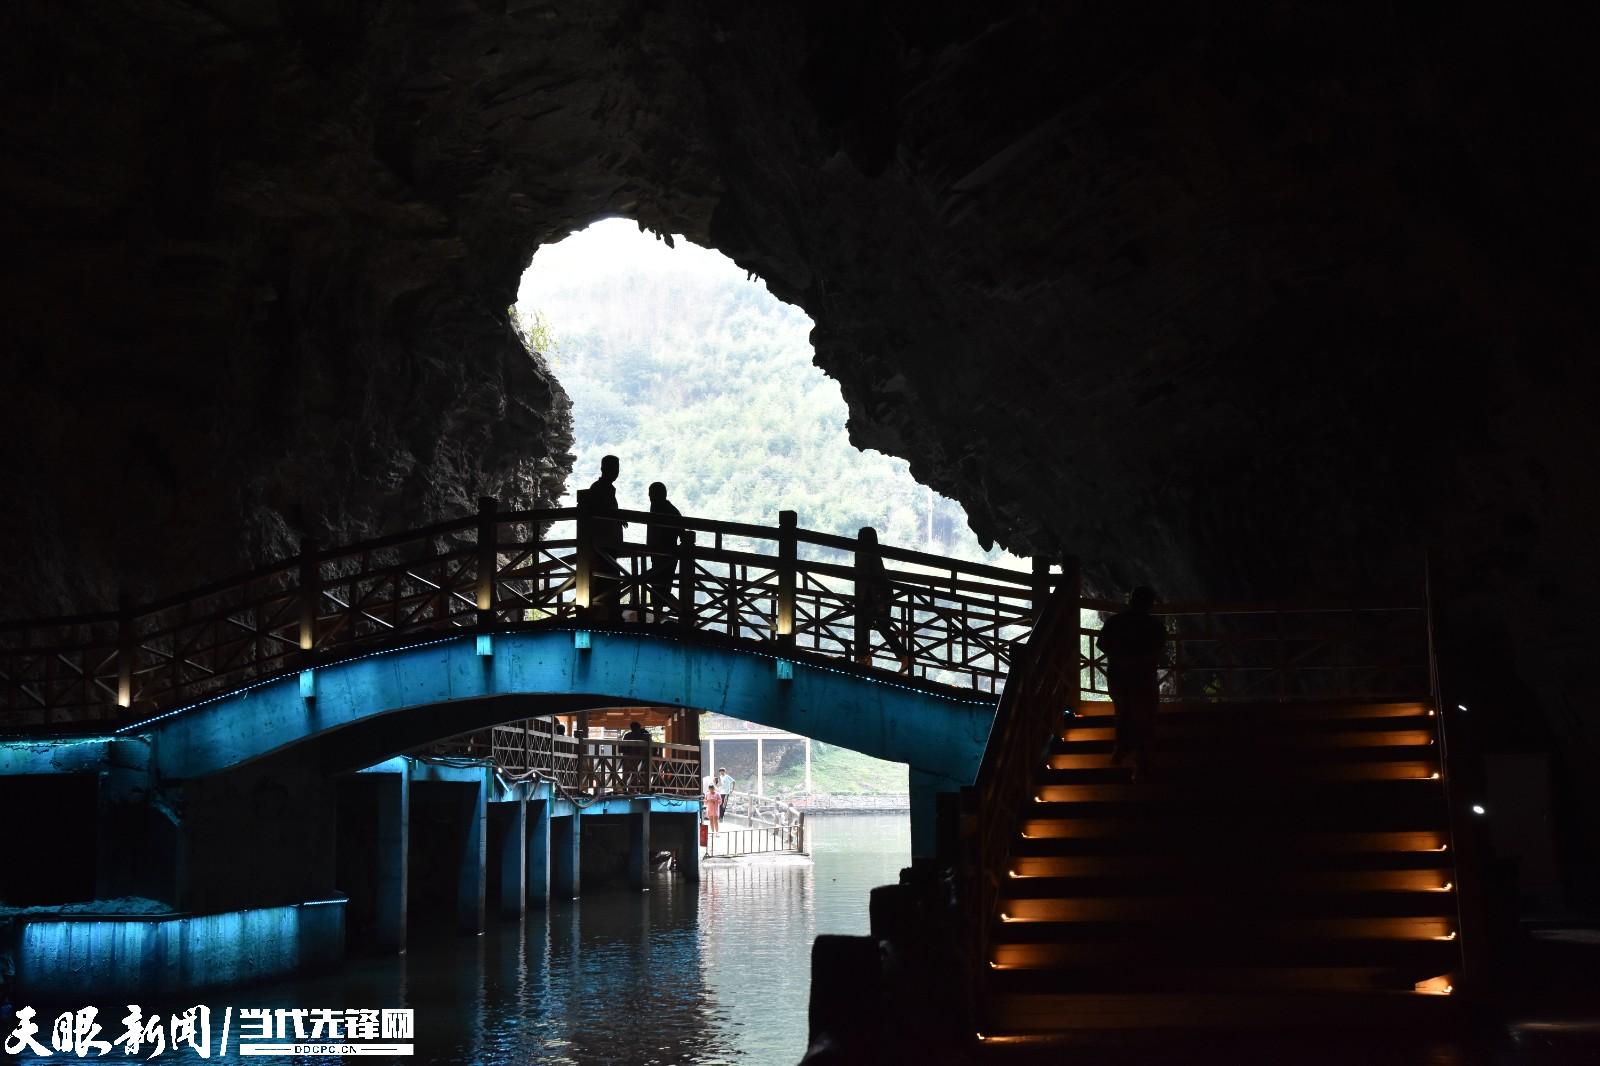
(717, 972)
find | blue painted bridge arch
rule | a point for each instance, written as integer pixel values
(363, 709)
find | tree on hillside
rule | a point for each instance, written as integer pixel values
(703, 380)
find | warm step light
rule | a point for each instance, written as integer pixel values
(1436, 986)
(1434, 776)
(1447, 886)
(1448, 936)
(1004, 917)
(1477, 808)
(1012, 873)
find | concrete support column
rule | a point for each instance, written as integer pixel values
(689, 856)
(925, 789)
(394, 860)
(538, 853)
(566, 838)
(639, 847)
(472, 886)
(139, 851)
(514, 862)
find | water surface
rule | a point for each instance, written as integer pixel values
(715, 972)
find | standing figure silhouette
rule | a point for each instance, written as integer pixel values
(875, 598)
(662, 540)
(1132, 642)
(605, 598)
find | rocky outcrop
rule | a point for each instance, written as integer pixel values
(1252, 301)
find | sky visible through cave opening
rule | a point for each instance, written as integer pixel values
(695, 375)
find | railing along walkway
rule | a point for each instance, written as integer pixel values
(761, 840)
(782, 586)
(597, 766)
(760, 811)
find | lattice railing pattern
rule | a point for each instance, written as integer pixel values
(1269, 653)
(781, 586)
(598, 766)
(787, 588)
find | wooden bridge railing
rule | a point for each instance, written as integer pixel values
(591, 766)
(783, 585)
(788, 587)
(1274, 653)
(1030, 715)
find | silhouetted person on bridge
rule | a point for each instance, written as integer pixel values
(1133, 642)
(875, 598)
(605, 597)
(662, 540)
(633, 762)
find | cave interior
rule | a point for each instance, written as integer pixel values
(1249, 302)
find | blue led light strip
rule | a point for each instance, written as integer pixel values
(134, 727)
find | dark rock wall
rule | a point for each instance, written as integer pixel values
(1253, 300)
(230, 322)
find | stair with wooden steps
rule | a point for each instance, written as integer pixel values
(1287, 864)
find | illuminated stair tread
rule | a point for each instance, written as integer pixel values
(1286, 865)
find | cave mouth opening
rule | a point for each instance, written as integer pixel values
(685, 366)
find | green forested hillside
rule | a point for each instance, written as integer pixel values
(697, 377)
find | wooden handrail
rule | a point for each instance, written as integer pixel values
(1041, 691)
(960, 622)
(1113, 606)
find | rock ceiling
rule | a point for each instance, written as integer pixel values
(1259, 300)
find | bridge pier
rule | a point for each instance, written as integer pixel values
(689, 851)
(137, 845)
(925, 789)
(472, 885)
(513, 856)
(639, 846)
(538, 853)
(374, 854)
(474, 861)
(393, 840)
(565, 856)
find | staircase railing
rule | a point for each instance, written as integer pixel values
(1042, 689)
(1261, 653)
(1463, 841)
